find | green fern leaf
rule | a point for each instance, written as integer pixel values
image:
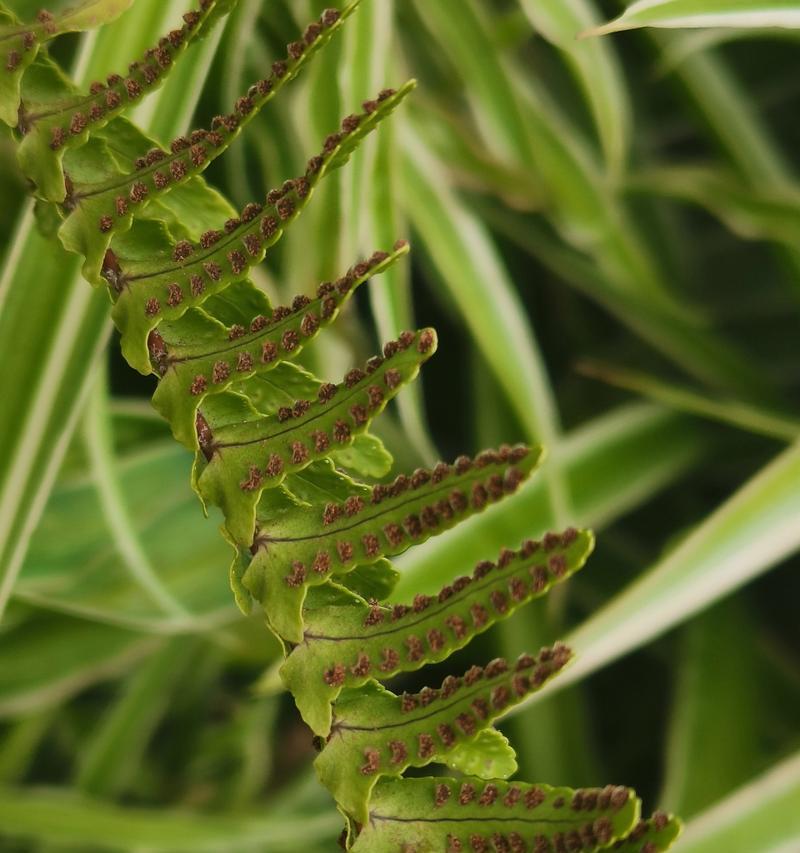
(305, 547)
(489, 756)
(51, 128)
(194, 362)
(20, 43)
(97, 210)
(376, 733)
(366, 456)
(148, 292)
(347, 643)
(439, 815)
(241, 456)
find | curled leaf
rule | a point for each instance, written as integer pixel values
(655, 835)
(346, 645)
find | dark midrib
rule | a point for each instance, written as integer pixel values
(359, 523)
(482, 686)
(433, 612)
(245, 341)
(325, 410)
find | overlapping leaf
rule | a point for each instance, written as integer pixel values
(346, 643)
(20, 42)
(151, 290)
(103, 202)
(242, 452)
(297, 546)
(204, 357)
(376, 733)
(53, 121)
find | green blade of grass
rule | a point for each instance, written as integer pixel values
(761, 815)
(732, 118)
(705, 13)
(711, 681)
(60, 325)
(694, 402)
(746, 536)
(47, 659)
(594, 66)
(111, 757)
(74, 564)
(707, 355)
(370, 197)
(102, 465)
(495, 105)
(60, 817)
(762, 213)
(469, 267)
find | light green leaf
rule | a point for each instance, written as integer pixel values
(709, 683)
(594, 65)
(489, 756)
(470, 268)
(730, 411)
(49, 658)
(761, 815)
(743, 538)
(446, 814)
(764, 213)
(705, 13)
(462, 29)
(59, 329)
(366, 456)
(376, 733)
(59, 817)
(113, 754)
(74, 565)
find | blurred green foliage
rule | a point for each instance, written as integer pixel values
(629, 203)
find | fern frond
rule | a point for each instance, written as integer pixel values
(20, 43)
(240, 457)
(96, 210)
(452, 815)
(305, 546)
(151, 291)
(376, 733)
(193, 366)
(52, 127)
(347, 643)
